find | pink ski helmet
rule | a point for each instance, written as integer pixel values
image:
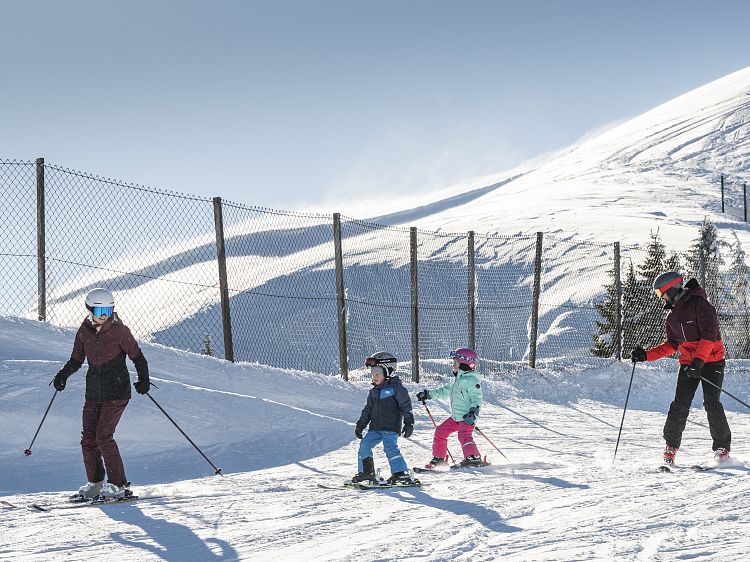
(466, 356)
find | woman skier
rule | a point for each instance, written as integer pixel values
(693, 331)
(465, 394)
(104, 341)
(388, 403)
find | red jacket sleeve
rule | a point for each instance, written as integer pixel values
(667, 347)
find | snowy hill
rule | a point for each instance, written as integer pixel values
(276, 434)
(657, 171)
(660, 169)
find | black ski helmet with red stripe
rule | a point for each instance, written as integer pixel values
(669, 283)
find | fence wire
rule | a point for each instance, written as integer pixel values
(157, 250)
(154, 249)
(377, 278)
(18, 241)
(281, 276)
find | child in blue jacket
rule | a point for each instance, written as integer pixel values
(388, 403)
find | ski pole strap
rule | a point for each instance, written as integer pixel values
(725, 392)
(27, 452)
(217, 470)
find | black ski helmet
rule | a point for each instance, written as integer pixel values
(386, 361)
(669, 283)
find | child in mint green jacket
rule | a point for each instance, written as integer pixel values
(465, 394)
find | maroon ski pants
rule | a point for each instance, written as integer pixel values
(97, 440)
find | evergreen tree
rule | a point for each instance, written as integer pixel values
(630, 312)
(737, 317)
(208, 348)
(604, 339)
(703, 260)
(672, 263)
(649, 330)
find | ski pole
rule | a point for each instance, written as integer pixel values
(491, 443)
(217, 470)
(725, 392)
(625, 409)
(27, 452)
(433, 423)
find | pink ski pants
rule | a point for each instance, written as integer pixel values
(465, 437)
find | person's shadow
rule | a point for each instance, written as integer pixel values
(175, 542)
(487, 517)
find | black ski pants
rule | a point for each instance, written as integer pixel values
(683, 398)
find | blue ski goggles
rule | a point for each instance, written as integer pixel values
(100, 311)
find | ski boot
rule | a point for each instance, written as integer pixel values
(669, 455)
(403, 478)
(436, 462)
(368, 472)
(721, 455)
(112, 491)
(88, 491)
(472, 460)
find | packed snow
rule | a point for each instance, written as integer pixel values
(277, 434)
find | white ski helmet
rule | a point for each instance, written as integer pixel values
(384, 360)
(100, 301)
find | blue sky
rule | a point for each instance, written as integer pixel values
(285, 103)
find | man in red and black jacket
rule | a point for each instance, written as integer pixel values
(693, 332)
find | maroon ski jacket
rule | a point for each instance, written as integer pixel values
(692, 329)
(107, 377)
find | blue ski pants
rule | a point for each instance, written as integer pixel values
(390, 445)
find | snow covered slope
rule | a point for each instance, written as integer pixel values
(657, 171)
(660, 169)
(277, 434)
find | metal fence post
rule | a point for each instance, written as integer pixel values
(41, 243)
(535, 305)
(471, 292)
(722, 193)
(618, 304)
(414, 307)
(223, 285)
(340, 300)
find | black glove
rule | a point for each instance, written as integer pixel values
(59, 381)
(470, 417)
(695, 370)
(423, 396)
(358, 432)
(638, 355)
(408, 430)
(142, 386)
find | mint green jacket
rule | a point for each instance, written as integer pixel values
(464, 391)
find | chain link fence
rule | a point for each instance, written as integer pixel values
(734, 197)
(414, 293)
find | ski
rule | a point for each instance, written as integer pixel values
(89, 503)
(461, 466)
(8, 504)
(676, 468)
(425, 470)
(361, 486)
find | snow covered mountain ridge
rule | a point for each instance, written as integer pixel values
(658, 170)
